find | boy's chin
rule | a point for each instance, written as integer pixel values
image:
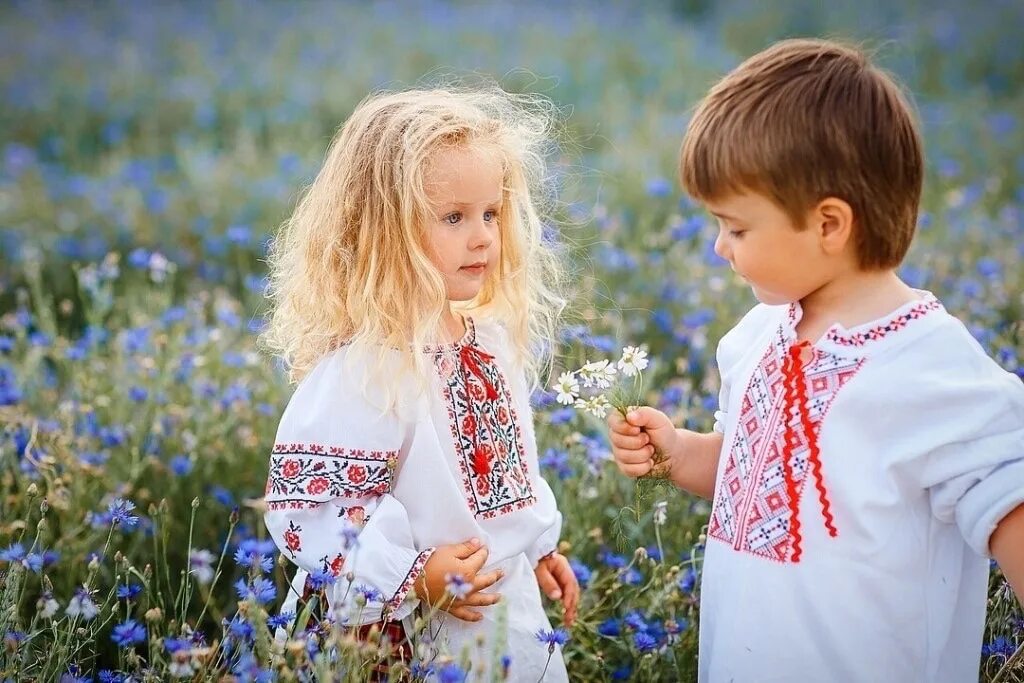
(770, 298)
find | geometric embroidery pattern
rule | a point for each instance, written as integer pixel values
(486, 433)
(752, 511)
(928, 304)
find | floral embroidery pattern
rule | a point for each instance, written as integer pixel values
(407, 583)
(752, 510)
(301, 474)
(486, 433)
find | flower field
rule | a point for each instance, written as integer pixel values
(150, 150)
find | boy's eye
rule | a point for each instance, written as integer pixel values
(736, 233)
(452, 218)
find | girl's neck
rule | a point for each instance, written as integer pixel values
(854, 299)
(453, 326)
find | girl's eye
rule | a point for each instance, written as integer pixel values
(452, 218)
(490, 215)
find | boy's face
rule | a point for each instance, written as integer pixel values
(781, 261)
(464, 190)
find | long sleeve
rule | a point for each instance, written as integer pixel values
(975, 473)
(329, 507)
(547, 542)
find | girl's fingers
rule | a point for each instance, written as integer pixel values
(635, 471)
(482, 581)
(618, 425)
(465, 614)
(481, 599)
(637, 457)
(547, 582)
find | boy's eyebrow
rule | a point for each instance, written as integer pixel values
(724, 216)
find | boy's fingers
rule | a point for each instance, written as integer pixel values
(547, 583)
(630, 443)
(635, 471)
(631, 457)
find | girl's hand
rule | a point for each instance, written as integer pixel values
(466, 560)
(637, 437)
(556, 578)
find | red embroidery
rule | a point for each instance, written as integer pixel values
(490, 451)
(771, 452)
(899, 322)
(314, 473)
(407, 583)
(292, 539)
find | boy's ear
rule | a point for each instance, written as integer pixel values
(833, 219)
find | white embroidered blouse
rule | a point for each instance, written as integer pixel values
(860, 480)
(465, 467)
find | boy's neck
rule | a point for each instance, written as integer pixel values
(851, 300)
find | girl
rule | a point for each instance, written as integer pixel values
(411, 290)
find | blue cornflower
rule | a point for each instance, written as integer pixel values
(280, 620)
(239, 628)
(623, 673)
(321, 579)
(181, 465)
(173, 645)
(687, 580)
(108, 676)
(222, 496)
(15, 552)
(582, 571)
(137, 394)
(120, 513)
(129, 633)
(369, 594)
(260, 590)
(644, 642)
(128, 591)
(451, 673)
(248, 556)
(554, 637)
(635, 620)
(610, 628)
(658, 187)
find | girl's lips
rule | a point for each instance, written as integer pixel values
(475, 270)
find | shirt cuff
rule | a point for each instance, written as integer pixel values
(984, 505)
(401, 604)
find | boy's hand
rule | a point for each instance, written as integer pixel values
(636, 437)
(466, 560)
(556, 578)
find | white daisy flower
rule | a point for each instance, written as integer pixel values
(634, 359)
(597, 406)
(598, 374)
(568, 388)
(660, 512)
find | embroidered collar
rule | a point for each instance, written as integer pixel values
(468, 339)
(861, 336)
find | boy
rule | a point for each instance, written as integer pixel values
(867, 455)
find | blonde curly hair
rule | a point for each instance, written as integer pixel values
(351, 266)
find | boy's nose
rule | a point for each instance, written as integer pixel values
(720, 247)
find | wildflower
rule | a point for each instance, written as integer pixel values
(321, 579)
(687, 580)
(568, 388)
(120, 513)
(349, 534)
(173, 645)
(260, 590)
(82, 605)
(280, 620)
(552, 638)
(451, 673)
(15, 552)
(181, 465)
(644, 641)
(47, 605)
(128, 633)
(597, 406)
(457, 585)
(582, 571)
(252, 558)
(368, 594)
(200, 564)
(610, 628)
(660, 512)
(598, 374)
(634, 359)
(128, 591)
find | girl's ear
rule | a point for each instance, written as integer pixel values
(833, 220)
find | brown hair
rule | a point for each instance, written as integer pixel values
(808, 119)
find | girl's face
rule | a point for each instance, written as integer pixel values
(464, 190)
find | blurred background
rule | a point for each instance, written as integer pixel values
(151, 149)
